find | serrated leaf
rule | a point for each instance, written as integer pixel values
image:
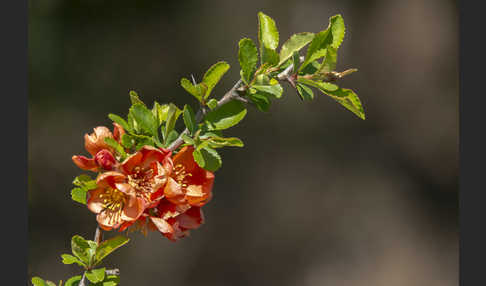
(274, 91)
(134, 98)
(332, 36)
(108, 246)
(73, 281)
(226, 116)
(323, 86)
(349, 99)
(79, 195)
(162, 111)
(187, 139)
(96, 275)
(115, 145)
(304, 92)
(192, 89)
(172, 116)
(120, 121)
(268, 32)
(85, 181)
(69, 259)
(127, 141)
(189, 119)
(260, 100)
(329, 62)
(207, 159)
(212, 103)
(82, 249)
(213, 75)
(248, 58)
(144, 118)
(219, 142)
(294, 44)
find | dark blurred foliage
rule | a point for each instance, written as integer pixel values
(316, 197)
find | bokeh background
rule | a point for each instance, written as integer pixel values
(316, 197)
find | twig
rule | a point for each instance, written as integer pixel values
(83, 281)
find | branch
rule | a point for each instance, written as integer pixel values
(228, 96)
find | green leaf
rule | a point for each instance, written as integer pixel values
(69, 259)
(213, 75)
(96, 275)
(294, 44)
(50, 283)
(226, 116)
(323, 86)
(295, 60)
(144, 118)
(189, 119)
(135, 99)
(332, 36)
(37, 281)
(108, 246)
(207, 159)
(248, 58)
(192, 89)
(268, 38)
(187, 139)
(82, 249)
(161, 112)
(73, 281)
(85, 181)
(274, 91)
(115, 145)
(120, 121)
(304, 92)
(212, 103)
(310, 69)
(348, 99)
(329, 63)
(127, 141)
(79, 195)
(171, 137)
(172, 116)
(260, 100)
(110, 280)
(219, 142)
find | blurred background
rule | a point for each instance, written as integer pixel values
(316, 197)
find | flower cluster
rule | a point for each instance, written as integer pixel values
(151, 189)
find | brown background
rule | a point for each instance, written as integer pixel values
(316, 197)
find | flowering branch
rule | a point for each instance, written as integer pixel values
(150, 177)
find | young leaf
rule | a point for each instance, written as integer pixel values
(207, 158)
(189, 87)
(162, 111)
(294, 44)
(322, 86)
(96, 275)
(144, 118)
(120, 121)
(115, 145)
(348, 99)
(226, 116)
(127, 141)
(79, 195)
(305, 92)
(219, 142)
(274, 91)
(213, 75)
(172, 116)
(260, 100)
(187, 139)
(189, 119)
(171, 137)
(329, 62)
(332, 36)
(212, 103)
(37, 281)
(268, 38)
(81, 249)
(85, 181)
(108, 246)
(69, 259)
(110, 280)
(248, 58)
(73, 281)
(134, 98)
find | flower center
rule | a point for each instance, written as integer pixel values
(145, 182)
(180, 175)
(113, 203)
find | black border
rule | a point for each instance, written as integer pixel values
(472, 143)
(14, 32)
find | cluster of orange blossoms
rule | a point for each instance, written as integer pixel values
(149, 190)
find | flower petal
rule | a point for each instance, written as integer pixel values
(110, 178)
(162, 225)
(118, 131)
(191, 219)
(85, 163)
(185, 158)
(133, 209)
(173, 192)
(95, 141)
(95, 201)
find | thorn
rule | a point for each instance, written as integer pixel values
(193, 80)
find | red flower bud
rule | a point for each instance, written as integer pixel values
(105, 159)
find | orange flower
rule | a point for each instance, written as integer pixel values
(102, 153)
(112, 206)
(171, 220)
(143, 175)
(188, 183)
